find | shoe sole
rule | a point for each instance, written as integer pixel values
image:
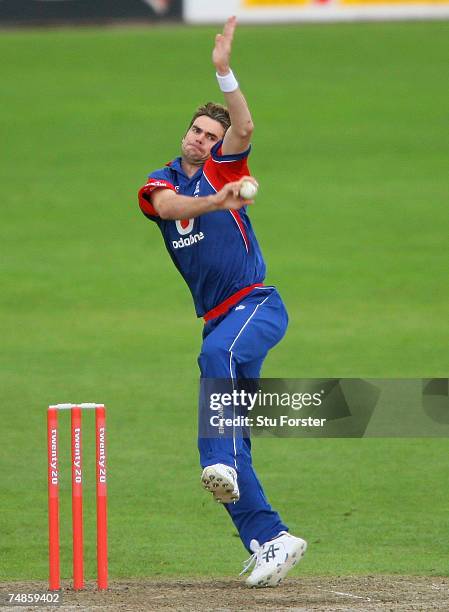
(221, 487)
(277, 575)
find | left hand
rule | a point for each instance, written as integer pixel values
(229, 198)
(221, 55)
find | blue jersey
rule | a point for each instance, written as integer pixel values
(216, 253)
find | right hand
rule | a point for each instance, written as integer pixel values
(229, 197)
(221, 55)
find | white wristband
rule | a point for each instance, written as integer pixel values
(228, 82)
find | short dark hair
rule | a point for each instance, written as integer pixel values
(215, 111)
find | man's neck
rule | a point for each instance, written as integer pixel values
(189, 168)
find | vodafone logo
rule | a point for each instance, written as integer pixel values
(185, 226)
(186, 242)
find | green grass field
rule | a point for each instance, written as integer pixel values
(351, 152)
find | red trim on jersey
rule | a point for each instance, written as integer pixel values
(219, 173)
(238, 220)
(229, 302)
(145, 195)
(235, 214)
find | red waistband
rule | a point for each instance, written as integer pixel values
(229, 302)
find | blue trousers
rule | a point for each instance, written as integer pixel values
(234, 347)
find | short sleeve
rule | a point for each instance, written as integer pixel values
(221, 169)
(145, 192)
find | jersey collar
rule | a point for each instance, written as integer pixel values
(176, 165)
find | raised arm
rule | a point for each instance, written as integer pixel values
(238, 136)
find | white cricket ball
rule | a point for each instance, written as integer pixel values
(248, 190)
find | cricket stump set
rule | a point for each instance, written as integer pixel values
(77, 494)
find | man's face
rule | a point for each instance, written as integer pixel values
(200, 139)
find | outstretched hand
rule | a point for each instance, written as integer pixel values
(221, 55)
(229, 197)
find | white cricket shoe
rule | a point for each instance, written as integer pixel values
(221, 481)
(273, 560)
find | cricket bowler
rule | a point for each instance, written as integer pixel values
(195, 201)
